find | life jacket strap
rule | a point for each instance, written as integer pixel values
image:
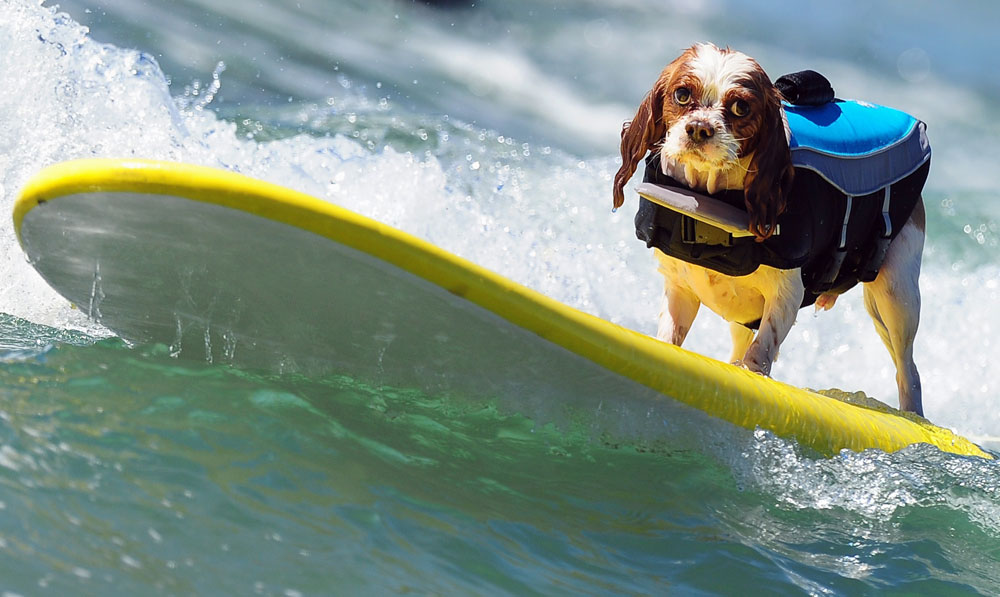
(869, 270)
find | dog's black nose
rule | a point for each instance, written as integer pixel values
(699, 130)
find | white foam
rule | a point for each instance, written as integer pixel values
(871, 488)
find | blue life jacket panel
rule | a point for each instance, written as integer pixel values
(858, 147)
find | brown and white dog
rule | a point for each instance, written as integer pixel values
(718, 123)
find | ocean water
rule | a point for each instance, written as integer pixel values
(490, 130)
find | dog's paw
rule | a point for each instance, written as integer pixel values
(752, 367)
(825, 301)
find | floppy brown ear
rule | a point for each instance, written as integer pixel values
(770, 174)
(639, 136)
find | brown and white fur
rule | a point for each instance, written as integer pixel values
(717, 122)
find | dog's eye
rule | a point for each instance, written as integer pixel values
(739, 108)
(682, 96)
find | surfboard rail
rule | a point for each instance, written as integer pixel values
(719, 389)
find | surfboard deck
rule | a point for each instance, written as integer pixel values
(225, 268)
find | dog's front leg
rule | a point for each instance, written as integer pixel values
(680, 304)
(677, 313)
(782, 300)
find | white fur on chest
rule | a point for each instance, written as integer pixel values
(735, 298)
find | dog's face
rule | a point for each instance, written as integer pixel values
(716, 120)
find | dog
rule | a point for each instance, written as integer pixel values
(718, 124)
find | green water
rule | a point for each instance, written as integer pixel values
(124, 471)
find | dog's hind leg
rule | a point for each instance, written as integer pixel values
(742, 337)
(893, 301)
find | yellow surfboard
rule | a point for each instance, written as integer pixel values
(229, 269)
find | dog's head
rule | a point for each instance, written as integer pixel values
(716, 119)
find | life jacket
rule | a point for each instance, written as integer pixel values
(859, 171)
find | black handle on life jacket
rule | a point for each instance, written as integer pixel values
(805, 88)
